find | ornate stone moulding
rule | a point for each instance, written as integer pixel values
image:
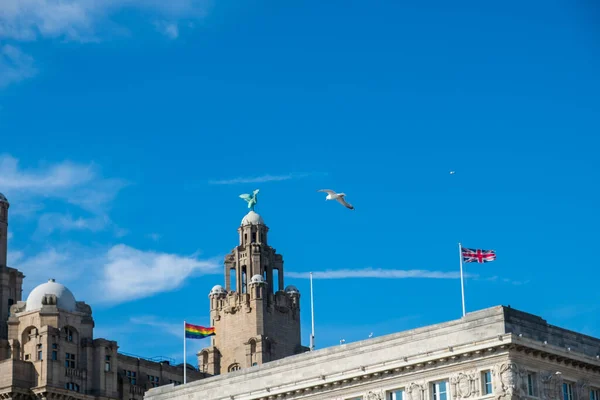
(380, 373)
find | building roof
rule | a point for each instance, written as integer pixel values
(3, 198)
(252, 218)
(64, 297)
(477, 332)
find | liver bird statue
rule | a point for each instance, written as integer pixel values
(250, 199)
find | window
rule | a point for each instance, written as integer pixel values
(69, 360)
(27, 357)
(244, 279)
(106, 363)
(254, 364)
(69, 334)
(39, 352)
(594, 394)
(234, 367)
(396, 395)
(72, 386)
(567, 391)
(486, 380)
(439, 390)
(153, 380)
(131, 377)
(54, 352)
(532, 384)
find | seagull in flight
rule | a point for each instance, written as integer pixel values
(452, 172)
(331, 195)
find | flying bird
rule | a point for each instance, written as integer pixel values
(331, 195)
(452, 172)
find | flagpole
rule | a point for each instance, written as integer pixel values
(462, 281)
(184, 357)
(312, 316)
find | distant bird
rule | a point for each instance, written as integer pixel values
(342, 341)
(371, 334)
(331, 195)
(452, 172)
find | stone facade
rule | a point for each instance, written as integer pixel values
(48, 351)
(497, 353)
(256, 320)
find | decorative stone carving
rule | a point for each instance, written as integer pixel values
(464, 385)
(551, 385)
(511, 382)
(415, 391)
(583, 389)
(375, 395)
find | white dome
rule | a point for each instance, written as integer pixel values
(257, 279)
(64, 298)
(252, 218)
(218, 289)
(3, 198)
(291, 289)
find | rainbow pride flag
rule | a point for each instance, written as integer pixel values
(197, 331)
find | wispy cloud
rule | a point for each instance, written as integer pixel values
(156, 322)
(73, 184)
(131, 274)
(15, 65)
(111, 275)
(257, 179)
(169, 29)
(377, 273)
(84, 20)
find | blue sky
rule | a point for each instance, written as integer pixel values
(129, 129)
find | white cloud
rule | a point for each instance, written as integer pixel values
(377, 273)
(257, 179)
(156, 322)
(51, 222)
(15, 65)
(110, 275)
(82, 20)
(168, 29)
(133, 274)
(74, 184)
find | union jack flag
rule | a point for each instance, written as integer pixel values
(478, 255)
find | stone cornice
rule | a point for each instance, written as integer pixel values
(416, 363)
(559, 355)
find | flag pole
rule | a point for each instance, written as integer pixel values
(312, 315)
(184, 357)
(462, 281)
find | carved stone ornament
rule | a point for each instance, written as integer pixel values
(583, 389)
(551, 385)
(375, 395)
(511, 382)
(464, 384)
(414, 391)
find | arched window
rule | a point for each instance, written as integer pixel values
(276, 280)
(72, 386)
(232, 280)
(234, 367)
(244, 279)
(69, 334)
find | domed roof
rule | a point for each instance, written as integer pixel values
(3, 198)
(252, 218)
(291, 289)
(64, 298)
(218, 289)
(257, 279)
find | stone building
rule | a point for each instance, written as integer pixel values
(48, 349)
(497, 353)
(256, 319)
